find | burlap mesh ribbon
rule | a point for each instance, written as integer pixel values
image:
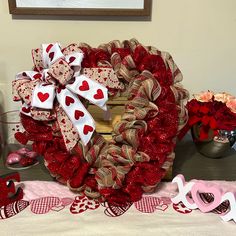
(115, 160)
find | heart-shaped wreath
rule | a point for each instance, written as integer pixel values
(55, 96)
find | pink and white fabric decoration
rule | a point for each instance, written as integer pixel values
(57, 76)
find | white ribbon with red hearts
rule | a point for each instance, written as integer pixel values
(43, 94)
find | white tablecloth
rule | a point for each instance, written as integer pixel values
(49, 208)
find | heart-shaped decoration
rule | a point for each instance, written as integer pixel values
(99, 94)
(115, 211)
(78, 114)
(27, 97)
(71, 59)
(57, 208)
(162, 207)
(82, 203)
(69, 100)
(26, 109)
(44, 205)
(13, 209)
(181, 208)
(87, 129)
(84, 86)
(43, 96)
(49, 48)
(148, 204)
(200, 188)
(222, 208)
(51, 55)
(37, 76)
(21, 138)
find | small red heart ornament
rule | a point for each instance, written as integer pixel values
(84, 86)
(21, 138)
(78, 114)
(87, 129)
(43, 96)
(69, 100)
(99, 94)
(26, 109)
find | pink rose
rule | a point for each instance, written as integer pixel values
(231, 104)
(204, 96)
(223, 97)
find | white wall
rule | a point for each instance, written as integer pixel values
(200, 35)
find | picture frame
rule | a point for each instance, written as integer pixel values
(81, 8)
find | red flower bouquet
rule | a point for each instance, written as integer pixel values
(213, 112)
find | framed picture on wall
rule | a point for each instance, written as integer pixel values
(81, 7)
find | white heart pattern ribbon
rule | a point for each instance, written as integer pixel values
(54, 80)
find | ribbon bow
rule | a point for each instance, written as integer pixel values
(58, 75)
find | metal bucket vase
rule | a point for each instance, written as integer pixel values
(214, 146)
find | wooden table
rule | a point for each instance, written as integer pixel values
(193, 165)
